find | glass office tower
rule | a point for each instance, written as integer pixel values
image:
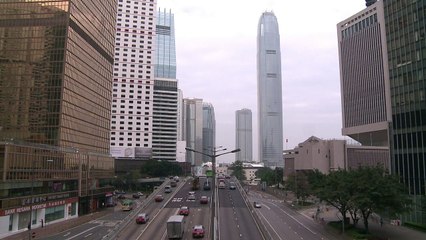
(244, 135)
(165, 62)
(406, 41)
(209, 131)
(269, 92)
(55, 108)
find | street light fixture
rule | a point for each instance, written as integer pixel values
(213, 157)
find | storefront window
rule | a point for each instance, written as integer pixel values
(54, 213)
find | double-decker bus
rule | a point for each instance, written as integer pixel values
(127, 205)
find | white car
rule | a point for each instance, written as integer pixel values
(257, 205)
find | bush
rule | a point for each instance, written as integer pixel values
(415, 226)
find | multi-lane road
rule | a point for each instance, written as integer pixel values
(235, 214)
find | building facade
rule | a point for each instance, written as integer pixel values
(405, 35)
(165, 109)
(193, 129)
(244, 135)
(269, 88)
(365, 92)
(209, 131)
(391, 33)
(133, 80)
(55, 98)
(331, 155)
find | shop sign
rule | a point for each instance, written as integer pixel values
(37, 206)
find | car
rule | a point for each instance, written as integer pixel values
(257, 205)
(167, 189)
(159, 198)
(191, 197)
(184, 210)
(198, 231)
(191, 193)
(121, 196)
(142, 218)
(206, 186)
(204, 200)
(136, 195)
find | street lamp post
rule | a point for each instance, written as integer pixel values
(213, 157)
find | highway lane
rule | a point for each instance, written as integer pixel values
(284, 223)
(199, 214)
(235, 219)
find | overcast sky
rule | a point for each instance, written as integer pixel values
(216, 61)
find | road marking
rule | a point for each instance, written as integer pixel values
(88, 235)
(82, 232)
(68, 233)
(303, 225)
(270, 225)
(267, 206)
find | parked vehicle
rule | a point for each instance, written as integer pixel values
(198, 231)
(142, 218)
(175, 227)
(184, 210)
(136, 196)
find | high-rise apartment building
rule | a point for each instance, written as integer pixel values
(209, 131)
(244, 135)
(55, 97)
(193, 129)
(269, 91)
(133, 80)
(165, 120)
(364, 77)
(386, 42)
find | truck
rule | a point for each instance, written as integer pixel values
(175, 227)
(195, 183)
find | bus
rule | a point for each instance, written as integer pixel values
(127, 205)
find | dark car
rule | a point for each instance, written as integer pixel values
(159, 198)
(136, 196)
(198, 231)
(206, 186)
(204, 200)
(184, 210)
(121, 196)
(142, 218)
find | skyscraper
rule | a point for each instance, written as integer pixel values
(364, 77)
(165, 109)
(269, 91)
(193, 129)
(133, 80)
(55, 97)
(405, 28)
(209, 131)
(383, 88)
(244, 135)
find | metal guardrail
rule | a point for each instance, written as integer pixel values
(262, 228)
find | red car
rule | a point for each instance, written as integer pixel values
(198, 231)
(159, 198)
(204, 200)
(184, 210)
(142, 218)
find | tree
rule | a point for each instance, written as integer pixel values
(298, 183)
(237, 170)
(378, 191)
(333, 189)
(153, 168)
(266, 175)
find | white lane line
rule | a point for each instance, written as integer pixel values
(88, 235)
(82, 232)
(303, 225)
(68, 233)
(266, 206)
(270, 225)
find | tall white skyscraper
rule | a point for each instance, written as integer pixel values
(269, 92)
(244, 135)
(133, 81)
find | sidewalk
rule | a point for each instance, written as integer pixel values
(55, 228)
